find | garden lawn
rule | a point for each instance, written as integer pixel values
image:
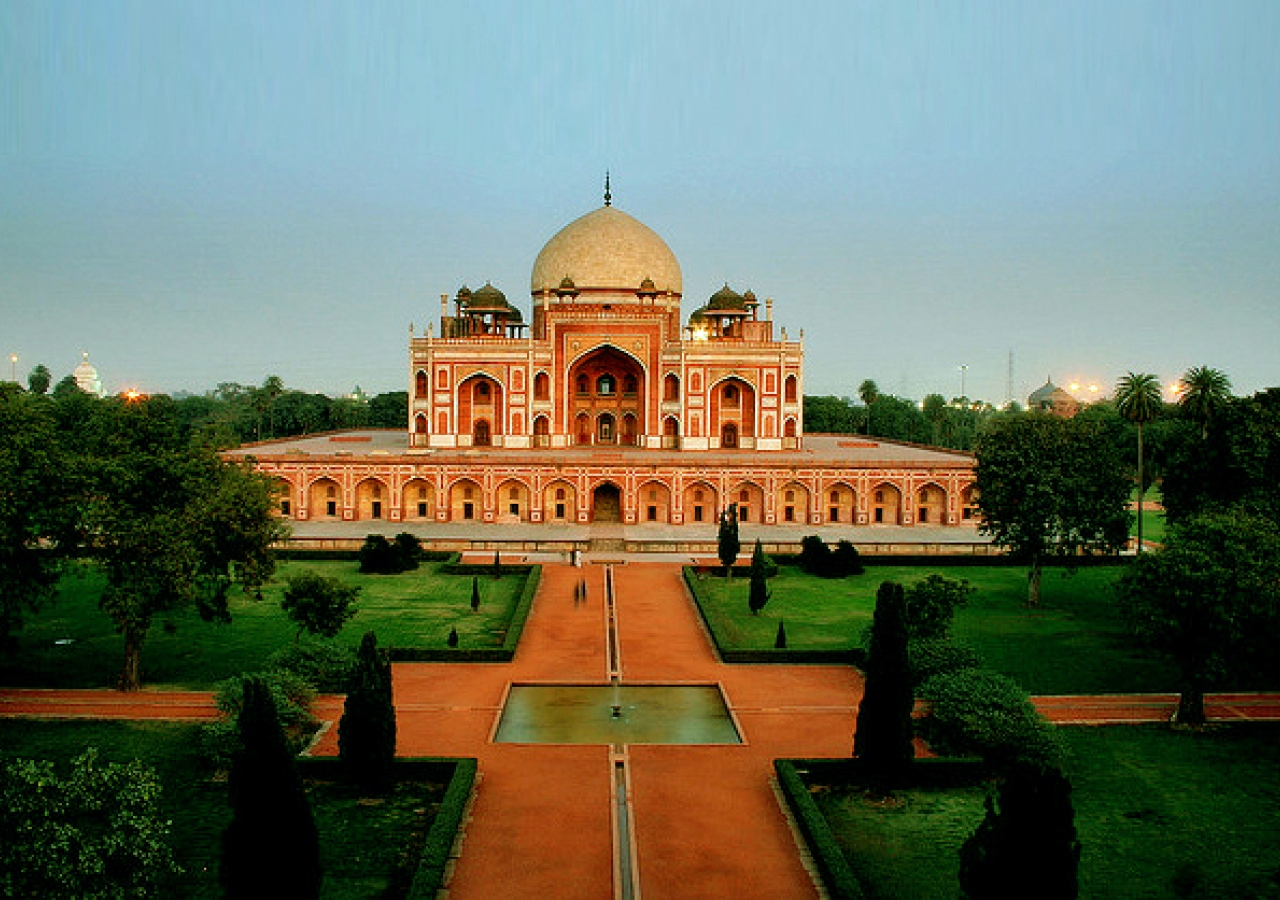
(1075, 642)
(1160, 814)
(366, 845)
(72, 644)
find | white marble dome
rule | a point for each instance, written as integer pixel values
(607, 250)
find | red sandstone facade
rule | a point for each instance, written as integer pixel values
(608, 407)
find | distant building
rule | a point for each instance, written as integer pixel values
(1053, 399)
(606, 407)
(86, 376)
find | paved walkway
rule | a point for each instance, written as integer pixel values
(705, 819)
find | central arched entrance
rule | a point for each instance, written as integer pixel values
(607, 403)
(606, 504)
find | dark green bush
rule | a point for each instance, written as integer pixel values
(292, 696)
(367, 729)
(836, 873)
(976, 712)
(930, 657)
(324, 665)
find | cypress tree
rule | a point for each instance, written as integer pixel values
(452, 639)
(728, 545)
(884, 740)
(780, 642)
(475, 594)
(271, 848)
(759, 593)
(367, 730)
(1026, 846)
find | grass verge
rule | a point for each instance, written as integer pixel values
(71, 643)
(1074, 642)
(1160, 814)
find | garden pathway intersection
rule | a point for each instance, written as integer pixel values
(705, 820)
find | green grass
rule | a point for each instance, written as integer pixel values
(1160, 814)
(1153, 525)
(365, 844)
(71, 644)
(1074, 642)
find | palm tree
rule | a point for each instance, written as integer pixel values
(1205, 392)
(869, 393)
(1138, 401)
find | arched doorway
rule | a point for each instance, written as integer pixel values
(483, 436)
(606, 503)
(606, 429)
(729, 436)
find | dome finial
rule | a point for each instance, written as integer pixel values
(608, 197)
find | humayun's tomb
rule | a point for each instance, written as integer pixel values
(608, 406)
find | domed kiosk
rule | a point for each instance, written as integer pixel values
(605, 405)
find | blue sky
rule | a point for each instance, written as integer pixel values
(199, 192)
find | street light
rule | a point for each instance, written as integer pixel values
(963, 369)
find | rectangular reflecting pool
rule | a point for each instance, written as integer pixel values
(621, 714)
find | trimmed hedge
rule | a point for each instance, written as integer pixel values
(836, 873)
(838, 876)
(502, 654)
(855, 657)
(312, 554)
(444, 831)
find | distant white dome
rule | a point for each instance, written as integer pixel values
(86, 376)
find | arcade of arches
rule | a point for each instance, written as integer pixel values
(671, 498)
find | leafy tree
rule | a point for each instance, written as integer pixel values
(37, 497)
(1205, 393)
(93, 832)
(173, 524)
(378, 556)
(292, 694)
(367, 730)
(869, 393)
(829, 415)
(1234, 466)
(319, 604)
(758, 593)
(931, 605)
(728, 544)
(1050, 486)
(271, 848)
(845, 560)
(390, 410)
(1138, 402)
(39, 380)
(885, 735)
(1209, 598)
(1027, 845)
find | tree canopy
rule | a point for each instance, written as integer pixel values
(1209, 598)
(1050, 487)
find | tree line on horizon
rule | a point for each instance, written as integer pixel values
(232, 414)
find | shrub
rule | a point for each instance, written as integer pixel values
(758, 594)
(324, 665)
(92, 833)
(932, 603)
(845, 561)
(291, 695)
(982, 713)
(815, 555)
(379, 556)
(930, 657)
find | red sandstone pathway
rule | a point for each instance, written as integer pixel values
(706, 822)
